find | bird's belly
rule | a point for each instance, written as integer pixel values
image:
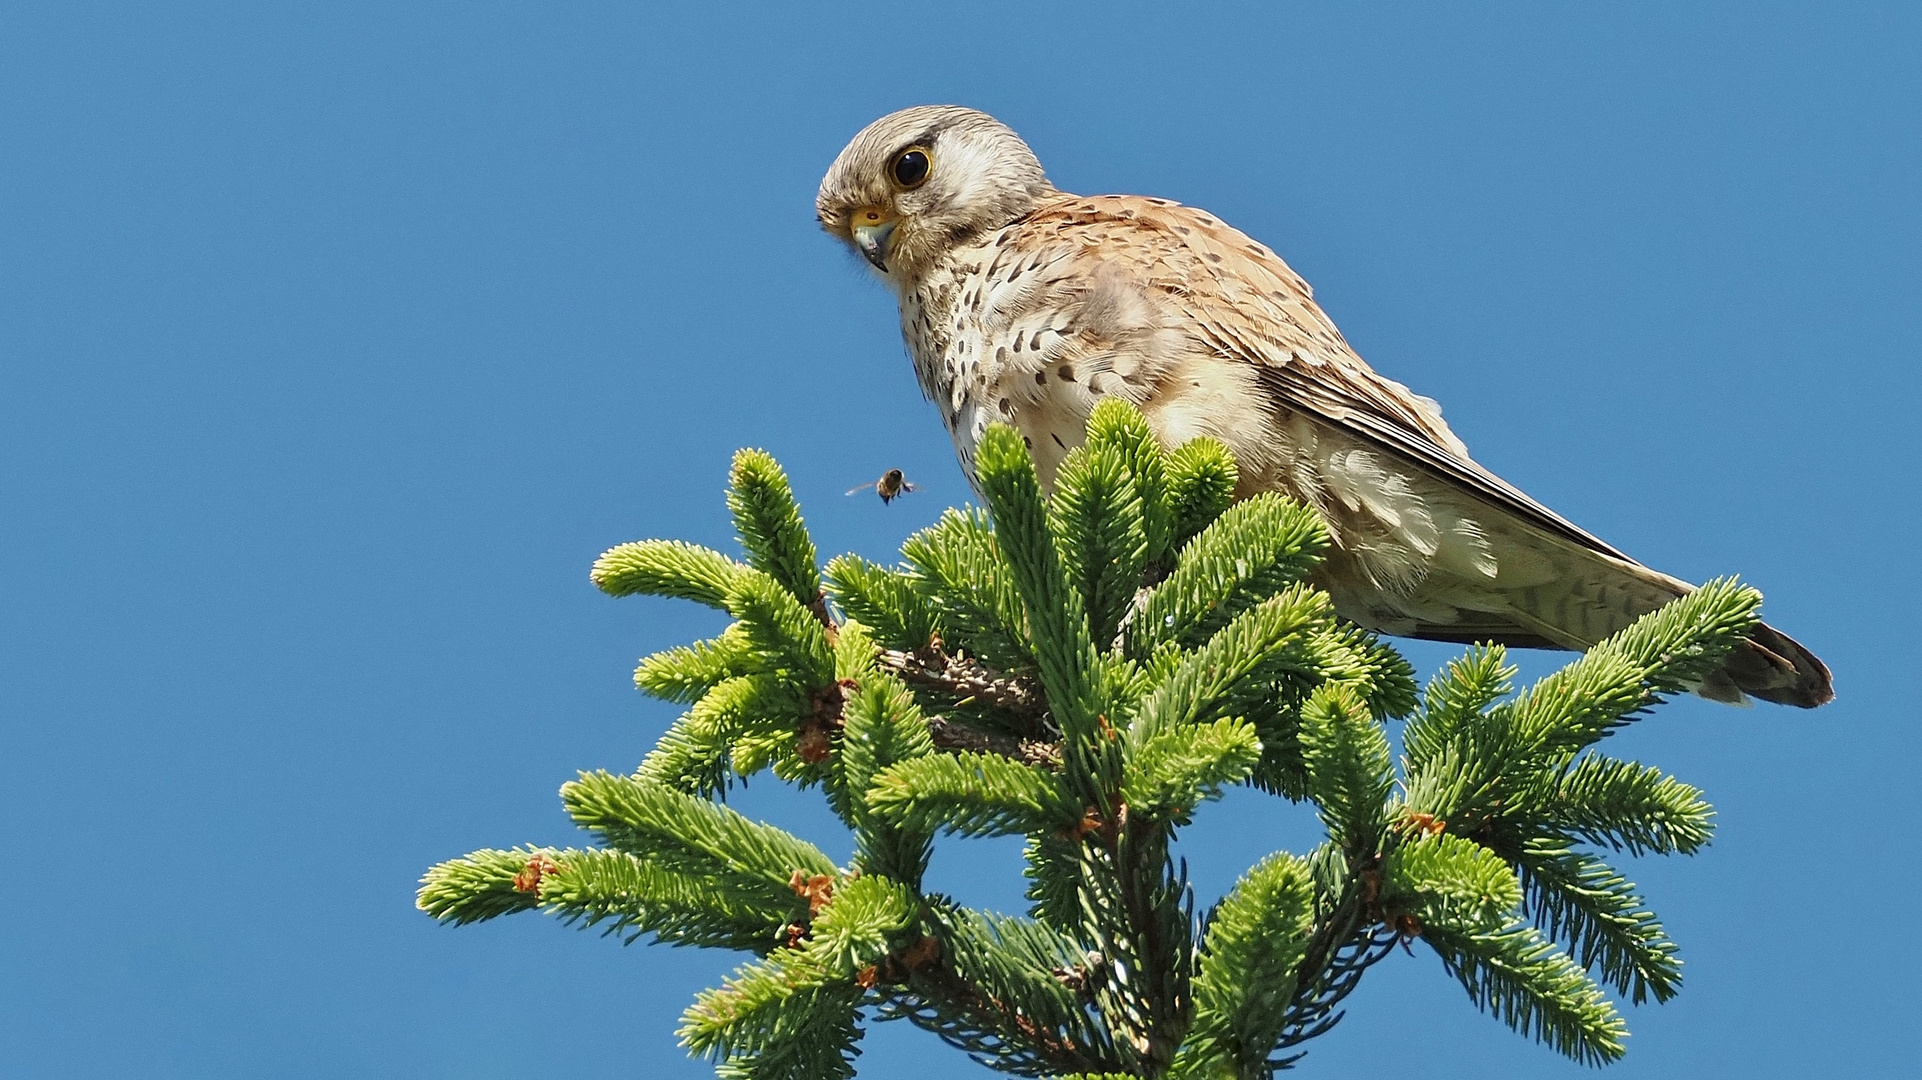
(1025, 374)
(1051, 424)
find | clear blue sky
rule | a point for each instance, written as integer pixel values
(336, 340)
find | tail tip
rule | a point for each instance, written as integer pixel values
(1776, 668)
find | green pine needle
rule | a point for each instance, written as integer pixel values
(1057, 619)
(632, 897)
(1171, 773)
(1118, 428)
(653, 821)
(968, 591)
(1250, 965)
(1629, 807)
(1018, 964)
(884, 726)
(1534, 988)
(971, 795)
(1249, 553)
(1201, 486)
(784, 637)
(1238, 661)
(769, 524)
(780, 1004)
(692, 755)
(685, 673)
(1099, 515)
(798, 1004)
(666, 568)
(1451, 883)
(1455, 699)
(1349, 773)
(1581, 901)
(884, 600)
(478, 886)
(865, 916)
(1666, 651)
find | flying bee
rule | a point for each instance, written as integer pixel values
(890, 487)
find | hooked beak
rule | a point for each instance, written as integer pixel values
(872, 239)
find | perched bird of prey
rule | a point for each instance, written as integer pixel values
(1024, 304)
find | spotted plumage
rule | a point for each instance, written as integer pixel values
(1025, 305)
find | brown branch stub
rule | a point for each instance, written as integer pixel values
(932, 668)
(814, 738)
(952, 735)
(813, 744)
(818, 607)
(816, 890)
(538, 868)
(1407, 928)
(897, 966)
(1418, 826)
(922, 953)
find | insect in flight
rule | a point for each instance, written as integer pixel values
(890, 487)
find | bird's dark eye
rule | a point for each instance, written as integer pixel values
(911, 167)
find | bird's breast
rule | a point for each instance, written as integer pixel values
(1031, 337)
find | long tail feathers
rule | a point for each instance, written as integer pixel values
(1774, 667)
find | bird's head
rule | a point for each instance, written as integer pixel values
(917, 182)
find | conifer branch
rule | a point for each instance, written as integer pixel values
(1117, 428)
(1201, 486)
(769, 524)
(655, 822)
(1249, 553)
(965, 585)
(1534, 988)
(1346, 942)
(1057, 619)
(1578, 899)
(1629, 807)
(1252, 956)
(1097, 514)
(940, 1000)
(881, 725)
(633, 897)
(780, 631)
(890, 603)
(1456, 698)
(1349, 774)
(1172, 772)
(1449, 882)
(666, 568)
(1665, 651)
(1008, 991)
(685, 673)
(480, 885)
(971, 795)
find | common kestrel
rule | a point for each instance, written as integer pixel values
(1024, 304)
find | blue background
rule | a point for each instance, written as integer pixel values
(336, 340)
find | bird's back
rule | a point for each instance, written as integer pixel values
(1210, 333)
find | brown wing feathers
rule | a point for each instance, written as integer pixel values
(1246, 305)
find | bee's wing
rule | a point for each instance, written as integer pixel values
(859, 488)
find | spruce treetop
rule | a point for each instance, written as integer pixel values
(1086, 669)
